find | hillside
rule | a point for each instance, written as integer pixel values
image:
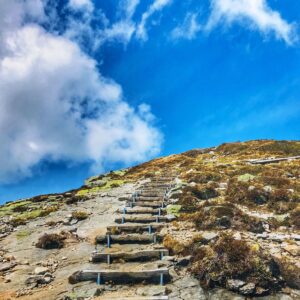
(231, 229)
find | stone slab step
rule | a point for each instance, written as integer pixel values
(142, 255)
(151, 193)
(154, 204)
(134, 228)
(141, 219)
(130, 238)
(139, 210)
(160, 275)
(145, 198)
(134, 298)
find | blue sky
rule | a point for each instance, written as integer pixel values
(91, 86)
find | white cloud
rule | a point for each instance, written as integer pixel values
(55, 105)
(156, 6)
(189, 29)
(255, 13)
(81, 5)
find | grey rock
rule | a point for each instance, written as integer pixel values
(183, 261)
(222, 294)
(235, 284)
(247, 289)
(40, 270)
(209, 236)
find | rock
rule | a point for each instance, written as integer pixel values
(235, 284)
(7, 266)
(251, 188)
(295, 237)
(222, 294)
(64, 258)
(47, 279)
(151, 290)
(209, 236)
(183, 261)
(292, 249)
(247, 289)
(224, 222)
(168, 258)
(40, 270)
(186, 282)
(268, 189)
(223, 185)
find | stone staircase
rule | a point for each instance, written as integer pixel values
(131, 251)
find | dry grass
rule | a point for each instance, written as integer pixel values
(51, 241)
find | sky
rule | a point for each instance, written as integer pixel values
(92, 86)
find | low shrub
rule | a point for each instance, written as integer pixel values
(51, 241)
(80, 215)
(234, 259)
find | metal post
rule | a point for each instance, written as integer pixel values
(131, 204)
(123, 219)
(99, 279)
(159, 211)
(157, 219)
(154, 238)
(108, 259)
(161, 279)
(124, 210)
(149, 229)
(108, 241)
(161, 255)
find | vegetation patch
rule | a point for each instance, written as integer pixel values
(51, 241)
(230, 259)
(80, 215)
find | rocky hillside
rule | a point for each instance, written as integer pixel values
(231, 228)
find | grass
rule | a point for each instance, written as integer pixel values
(80, 215)
(22, 234)
(234, 259)
(107, 186)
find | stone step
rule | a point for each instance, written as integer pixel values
(134, 228)
(146, 218)
(134, 298)
(154, 204)
(130, 238)
(156, 186)
(160, 275)
(142, 255)
(144, 198)
(150, 194)
(140, 210)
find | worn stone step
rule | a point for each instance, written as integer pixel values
(135, 228)
(151, 185)
(140, 210)
(154, 204)
(134, 298)
(160, 275)
(144, 198)
(151, 194)
(129, 238)
(142, 255)
(146, 218)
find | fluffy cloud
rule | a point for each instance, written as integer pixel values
(55, 105)
(156, 6)
(188, 30)
(255, 13)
